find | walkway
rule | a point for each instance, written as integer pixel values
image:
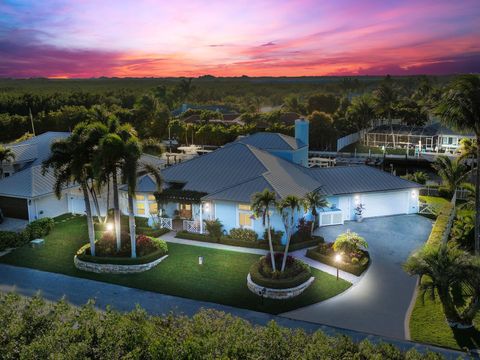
(378, 302)
(78, 291)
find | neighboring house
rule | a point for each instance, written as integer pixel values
(220, 108)
(432, 138)
(26, 193)
(228, 119)
(221, 184)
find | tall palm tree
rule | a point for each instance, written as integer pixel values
(262, 203)
(453, 172)
(6, 154)
(288, 207)
(454, 276)
(70, 160)
(313, 201)
(361, 112)
(459, 107)
(385, 100)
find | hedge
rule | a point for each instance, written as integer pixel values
(440, 225)
(328, 260)
(260, 244)
(34, 230)
(33, 328)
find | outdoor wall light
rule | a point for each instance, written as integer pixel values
(207, 206)
(109, 227)
(414, 194)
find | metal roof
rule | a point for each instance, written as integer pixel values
(358, 179)
(272, 141)
(145, 183)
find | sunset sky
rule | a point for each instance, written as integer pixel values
(82, 38)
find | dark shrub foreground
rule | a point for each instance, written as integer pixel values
(34, 230)
(34, 329)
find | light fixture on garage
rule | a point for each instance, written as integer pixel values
(414, 194)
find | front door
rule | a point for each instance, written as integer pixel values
(186, 211)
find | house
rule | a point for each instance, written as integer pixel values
(220, 185)
(27, 193)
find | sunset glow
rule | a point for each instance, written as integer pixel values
(144, 38)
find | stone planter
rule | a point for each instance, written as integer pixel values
(115, 268)
(278, 293)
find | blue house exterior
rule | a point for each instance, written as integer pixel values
(220, 185)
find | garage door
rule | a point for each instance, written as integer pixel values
(14, 207)
(385, 204)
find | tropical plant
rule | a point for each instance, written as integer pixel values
(463, 230)
(459, 107)
(454, 276)
(385, 97)
(71, 160)
(349, 243)
(6, 154)
(262, 203)
(419, 177)
(287, 208)
(313, 201)
(214, 229)
(452, 171)
(467, 148)
(361, 112)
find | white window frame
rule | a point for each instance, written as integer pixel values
(246, 212)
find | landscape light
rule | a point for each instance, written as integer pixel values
(338, 258)
(109, 227)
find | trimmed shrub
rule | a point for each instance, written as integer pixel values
(296, 272)
(11, 239)
(39, 228)
(214, 229)
(276, 236)
(349, 243)
(440, 225)
(355, 265)
(148, 231)
(243, 235)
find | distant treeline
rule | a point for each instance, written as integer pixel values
(335, 106)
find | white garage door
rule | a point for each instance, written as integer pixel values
(385, 204)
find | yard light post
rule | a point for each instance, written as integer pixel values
(338, 258)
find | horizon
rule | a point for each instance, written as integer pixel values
(303, 38)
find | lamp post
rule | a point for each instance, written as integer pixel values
(338, 258)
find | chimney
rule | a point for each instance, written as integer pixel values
(301, 130)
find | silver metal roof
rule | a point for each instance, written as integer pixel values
(272, 141)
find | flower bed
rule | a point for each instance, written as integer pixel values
(296, 272)
(355, 265)
(295, 244)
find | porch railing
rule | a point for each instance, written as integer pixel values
(165, 223)
(192, 226)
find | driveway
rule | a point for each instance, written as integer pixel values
(10, 224)
(379, 302)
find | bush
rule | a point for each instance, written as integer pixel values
(445, 192)
(355, 265)
(214, 229)
(276, 236)
(148, 231)
(349, 243)
(52, 330)
(39, 228)
(463, 232)
(419, 177)
(440, 225)
(11, 239)
(244, 235)
(296, 272)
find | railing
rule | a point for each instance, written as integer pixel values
(165, 223)
(192, 226)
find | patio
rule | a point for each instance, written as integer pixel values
(379, 302)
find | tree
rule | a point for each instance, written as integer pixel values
(6, 154)
(287, 208)
(70, 160)
(322, 133)
(453, 172)
(361, 112)
(385, 99)
(313, 201)
(454, 276)
(292, 103)
(459, 107)
(327, 103)
(262, 203)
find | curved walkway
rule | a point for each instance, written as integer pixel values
(378, 303)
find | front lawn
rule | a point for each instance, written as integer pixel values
(222, 278)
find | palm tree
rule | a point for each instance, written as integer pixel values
(6, 154)
(262, 203)
(385, 100)
(70, 160)
(454, 276)
(361, 112)
(287, 208)
(459, 107)
(313, 201)
(453, 172)
(467, 148)
(470, 198)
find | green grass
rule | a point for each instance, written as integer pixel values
(433, 200)
(428, 325)
(222, 278)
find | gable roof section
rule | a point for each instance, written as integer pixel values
(241, 192)
(145, 183)
(272, 141)
(358, 179)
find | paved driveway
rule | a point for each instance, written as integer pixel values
(11, 224)
(379, 302)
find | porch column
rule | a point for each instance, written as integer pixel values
(201, 218)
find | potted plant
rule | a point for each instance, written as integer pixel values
(359, 211)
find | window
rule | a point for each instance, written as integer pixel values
(140, 197)
(140, 208)
(244, 207)
(153, 208)
(151, 198)
(244, 220)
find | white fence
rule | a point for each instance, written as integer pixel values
(165, 223)
(350, 139)
(192, 226)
